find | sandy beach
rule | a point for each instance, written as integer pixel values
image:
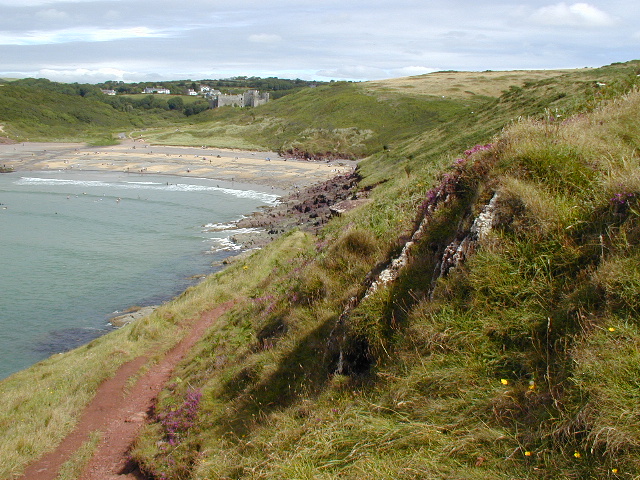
(266, 169)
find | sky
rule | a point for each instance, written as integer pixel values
(91, 41)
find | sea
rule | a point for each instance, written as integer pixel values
(77, 248)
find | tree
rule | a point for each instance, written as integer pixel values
(175, 103)
(196, 107)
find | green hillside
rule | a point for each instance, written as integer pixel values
(36, 114)
(475, 317)
(510, 353)
(357, 120)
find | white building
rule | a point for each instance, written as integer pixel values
(164, 91)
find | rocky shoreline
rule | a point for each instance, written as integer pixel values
(132, 315)
(307, 209)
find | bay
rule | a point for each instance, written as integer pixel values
(77, 247)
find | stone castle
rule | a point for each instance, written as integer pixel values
(250, 98)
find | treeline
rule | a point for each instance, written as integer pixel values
(79, 89)
(275, 86)
(120, 103)
(158, 102)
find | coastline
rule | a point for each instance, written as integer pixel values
(307, 189)
(240, 168)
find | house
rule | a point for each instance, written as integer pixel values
(164, 91)
(108, 92)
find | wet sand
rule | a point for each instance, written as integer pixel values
(267, 169)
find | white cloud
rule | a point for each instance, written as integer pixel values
(80, 34)
(412, 70)
(112, 15)
(354, 72)
(575, 15)
(84, 74)
(36, 3)
(52, 15)
(265, 38)
(361, 72)
(355, 40)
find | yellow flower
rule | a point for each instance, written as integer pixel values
(611, 329)
(527, 453)
(504, 381)
(245, 267)
(532, 385)
(577, 454)
(614, 470)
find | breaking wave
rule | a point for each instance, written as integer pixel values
(267, 198)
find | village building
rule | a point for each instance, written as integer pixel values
(163, 91)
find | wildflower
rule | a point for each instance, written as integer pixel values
(614, 470)
(622, 198)
(611, 329)
(478, 148)
(179, 420)
(245, 268)
(577, 454)
(527, 453)
(504, 381)
(532, 385)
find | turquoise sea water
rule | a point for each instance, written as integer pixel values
(79, 247)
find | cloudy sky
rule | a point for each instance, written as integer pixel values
(145, 40)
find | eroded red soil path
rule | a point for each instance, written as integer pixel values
(119, 413)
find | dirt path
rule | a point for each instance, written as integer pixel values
(119, 413)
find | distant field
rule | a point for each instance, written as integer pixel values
(466, 84)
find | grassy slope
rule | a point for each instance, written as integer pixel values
(41, 115)
(308, 121)
(496, 373)
(362, 119)
(534, 308)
